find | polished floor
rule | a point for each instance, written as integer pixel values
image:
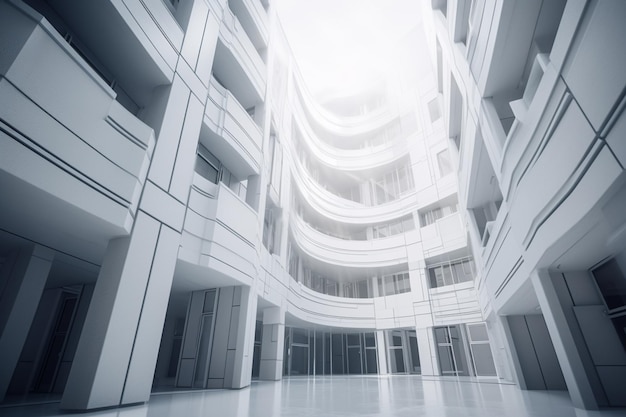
(347, 396)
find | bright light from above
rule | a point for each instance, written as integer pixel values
(341, 45)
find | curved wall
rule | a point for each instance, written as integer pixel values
(352, 159)
(352, 254)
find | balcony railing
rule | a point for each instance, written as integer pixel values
(236, 39)
(64, 119)
(238, 138)
(220, 231)
(253, 18)
(352, 159)
(377, 253)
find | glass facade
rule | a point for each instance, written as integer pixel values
(453, 272)
(322, 352)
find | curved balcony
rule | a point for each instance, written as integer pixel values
(237, 63)
(351, 159)
(443, 236)
(346, 211)
(235, 138)
(63, 133)
(358, 313)
(220, 233)
(371, 254)
(253, 18)
(339, 126)
(328, 310)
(138, 42)
(454, 303)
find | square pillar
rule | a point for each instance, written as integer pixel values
(24, 278)
(381, 350)
(578, 383)
(427, 348)
(272, 344)
(116, 355)
(233, 339)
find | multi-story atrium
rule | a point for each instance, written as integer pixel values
(185, 228)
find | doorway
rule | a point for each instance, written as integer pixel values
(46, 380)
(403, 352)
(451, 351)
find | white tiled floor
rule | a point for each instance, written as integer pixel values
(348, 396)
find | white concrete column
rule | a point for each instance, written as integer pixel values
(578, 384)
(375, 292)
(117, 351)
(507, 360)
(244, 350)
(24, 278)
(253, 193)
(233, 338)
(381, 350)
(272, 344)
(427, 348)
(190, 348)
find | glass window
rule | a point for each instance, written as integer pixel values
(447, 274)
(402, 283)
(395, 228)
(612, 284)
(348, 290)
(462, 273)
(208, 171)
(293, 263)
(353, 339)
(436, 213)
(445, 165)
(478, 332)
(382, 230)
(370, 340)
(331, 288)
(389, 285)
(207, 164)
(434, 109)
(362, 291)
(396, 338)
(408, 223)
(379, 192)
(434, 281)
(301, 336)
(452, 273)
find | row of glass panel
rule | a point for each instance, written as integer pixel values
(439, 275)
(462, 350)
(351, 232)
(386, 285)
(377, 231)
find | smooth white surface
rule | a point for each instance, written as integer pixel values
(349, 395)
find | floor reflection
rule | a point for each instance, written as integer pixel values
(346, 396)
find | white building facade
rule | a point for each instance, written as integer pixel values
(533, 98)
(181, 213)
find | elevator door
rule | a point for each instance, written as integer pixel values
(535, 352)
